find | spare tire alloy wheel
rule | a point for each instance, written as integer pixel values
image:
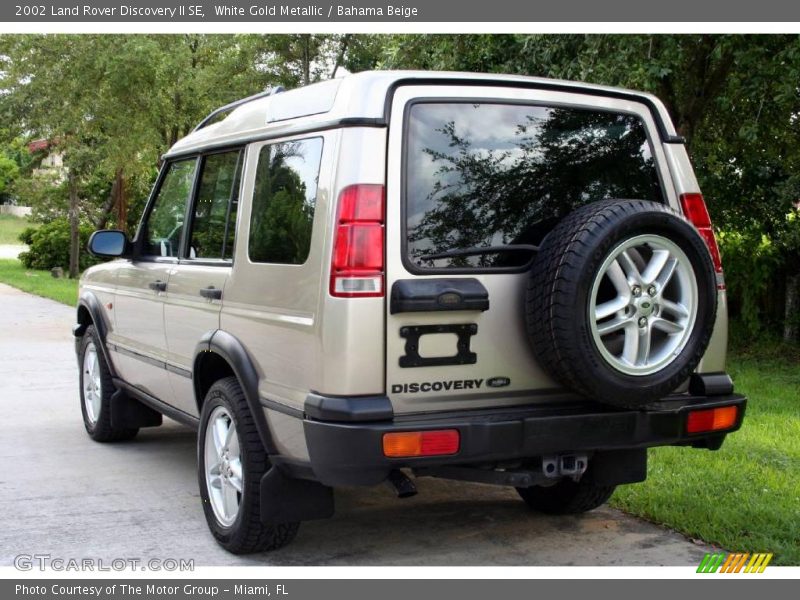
(647, 322)
(621, 301)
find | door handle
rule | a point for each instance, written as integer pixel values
(211, 293)
(158, 285)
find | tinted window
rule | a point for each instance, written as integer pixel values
(284, 197)
(492, 174)
(165, 222)
(215, 207)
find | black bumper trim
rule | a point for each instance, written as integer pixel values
(710, 384)
(348, 409)
(348, 453)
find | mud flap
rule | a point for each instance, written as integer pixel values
(613, 467)
(288, 500)
(127, 413)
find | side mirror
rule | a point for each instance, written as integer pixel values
(109, 243)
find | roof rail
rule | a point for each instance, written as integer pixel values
(270, 91)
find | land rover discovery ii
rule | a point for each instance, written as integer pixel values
(497, 279)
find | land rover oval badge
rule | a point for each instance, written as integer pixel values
(498, 382)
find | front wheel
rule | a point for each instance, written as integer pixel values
(231, 463)
(96, 389)
(567, 497)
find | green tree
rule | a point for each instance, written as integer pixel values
(114, 104)
(735, 98)
(9, 171)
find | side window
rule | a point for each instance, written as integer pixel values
(214, 213)
(164, 224)
(284, 198)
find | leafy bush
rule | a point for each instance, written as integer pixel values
(26, 235)
(753, 266)
(49, 246)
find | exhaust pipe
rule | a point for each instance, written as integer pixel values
(401, 484)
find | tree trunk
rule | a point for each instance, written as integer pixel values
(74, 230)
(121, 200)
(108, 206)
(306, 59)
(340, 55)
(791, 316)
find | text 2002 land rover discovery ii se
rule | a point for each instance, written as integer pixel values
(497, 279)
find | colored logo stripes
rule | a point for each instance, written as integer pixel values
(734, 563)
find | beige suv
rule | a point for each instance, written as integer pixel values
(497, 279)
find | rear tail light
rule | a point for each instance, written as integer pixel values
(711, 419)
(408, 444)
(357, 263)
(694, 208)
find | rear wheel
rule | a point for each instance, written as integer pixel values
(96, 389)
(231, 463)
(567, 496)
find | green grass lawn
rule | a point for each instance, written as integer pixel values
(11, 227)
(40, 283)
(744, 497)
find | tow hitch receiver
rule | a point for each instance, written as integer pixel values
(565, 465)
(553, 468)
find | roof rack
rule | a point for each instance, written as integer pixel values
(270, 91)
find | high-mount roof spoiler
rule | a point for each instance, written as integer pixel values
(270, 91)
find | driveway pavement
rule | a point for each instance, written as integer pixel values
(64, 495)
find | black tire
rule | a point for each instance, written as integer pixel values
(567, 497)
(247, 533)
(99, 428)
(560, 286)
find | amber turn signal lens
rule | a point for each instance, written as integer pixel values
(713, 419)
(421, 443)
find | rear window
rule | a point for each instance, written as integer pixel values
(486, 174)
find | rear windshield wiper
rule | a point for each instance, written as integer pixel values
(480, 250)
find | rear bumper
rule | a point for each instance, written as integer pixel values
(348, 452)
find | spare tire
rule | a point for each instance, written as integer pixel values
(621, 301)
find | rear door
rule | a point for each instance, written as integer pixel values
(476, 177)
